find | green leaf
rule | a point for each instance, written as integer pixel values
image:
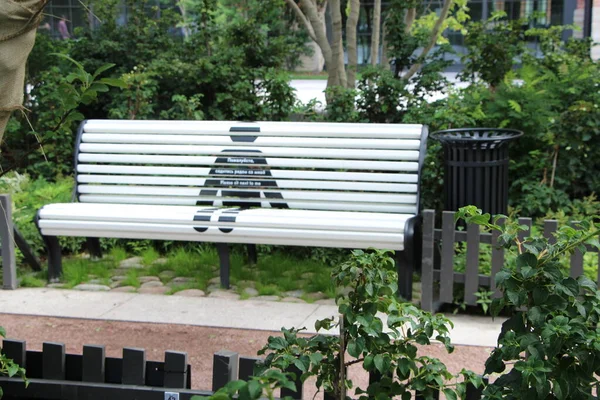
(302, 365)
(277, 343)
(368, 362)
(12, 369)
(540, 295)
(536, 316)
(235, 385)
(254, 389)
(403, 370)
(502, 276)
(114, 82)
(450, 394)
(103, 68)
(356, 347)
(315, 358)
(2, 331)
(587, 283)
(526, 260)
(572, 285)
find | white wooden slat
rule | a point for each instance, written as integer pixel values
(279, 219)
(231, 160)
(222, 171)
(269, 141)
(287, 194)
(63, 210)
(247, 183)
(223, 151)
(290, 236)
(295, 204)
(316, 242)
(405, 131)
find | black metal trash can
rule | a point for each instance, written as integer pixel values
(476, 167)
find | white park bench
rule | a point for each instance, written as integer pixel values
(279, 183)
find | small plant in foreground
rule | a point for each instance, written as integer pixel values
(388, 353)
(552, 339)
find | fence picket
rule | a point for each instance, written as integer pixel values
(523, 234)
(550, 226)
(134, 366)
(576, 258)
(225, 368)
(427, 260)
(15, 350)
(472, 268)
(9, 266)
(93, 364)
(53, 361)
(246, 367)
(447, 255)
(176, 370)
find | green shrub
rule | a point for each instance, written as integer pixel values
(552, 340)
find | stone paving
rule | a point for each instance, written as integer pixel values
(167, 283)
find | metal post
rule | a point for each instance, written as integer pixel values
(9, 266)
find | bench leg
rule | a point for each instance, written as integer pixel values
(223, 250)
(93, 247)
(252, 258)
(54, 258)
(405, 268)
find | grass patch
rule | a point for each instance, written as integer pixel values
(149, 255)
(77, 271)
(308, 75)
(274, 274)
(198, 263)
(32, 280)
(118, 254)
(132, 278)
(279, 272)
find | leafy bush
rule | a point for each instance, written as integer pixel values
(552, 339)
(390, 354)
(28, 196)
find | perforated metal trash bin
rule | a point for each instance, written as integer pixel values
(476, 167)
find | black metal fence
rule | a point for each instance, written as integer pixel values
(55, 375)
(438, 274)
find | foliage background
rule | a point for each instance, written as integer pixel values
(228, 60)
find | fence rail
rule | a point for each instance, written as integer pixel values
(439, 253)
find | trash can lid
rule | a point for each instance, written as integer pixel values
(479, 135)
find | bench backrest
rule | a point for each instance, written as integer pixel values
(317, 166)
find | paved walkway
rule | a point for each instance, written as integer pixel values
(204, 311)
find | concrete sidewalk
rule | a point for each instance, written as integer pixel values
(204, 311)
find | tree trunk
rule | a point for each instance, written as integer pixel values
(385, 59)
(351, 42)
(337, 47)
(309, 16)
(375, 32)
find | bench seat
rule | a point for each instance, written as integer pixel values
(226, 225)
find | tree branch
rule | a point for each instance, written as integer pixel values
(411, 15)
(433, 40)
(303, 19)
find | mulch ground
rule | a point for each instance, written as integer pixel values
(199, 342)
